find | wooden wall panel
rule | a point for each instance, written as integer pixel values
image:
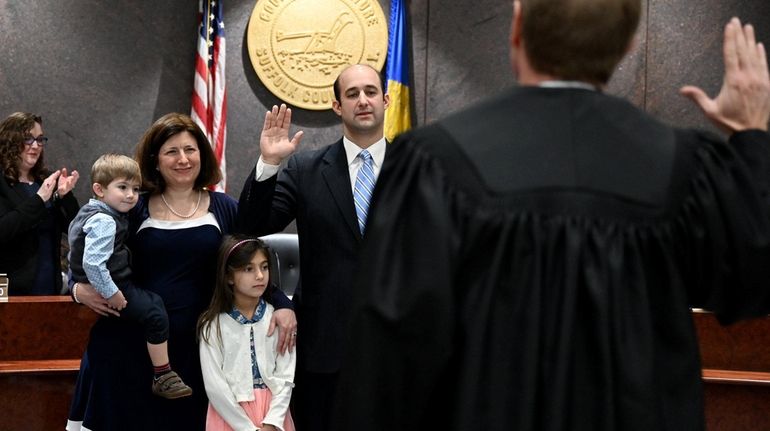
(41, 342)
(737, 407)
(741, 346)
(43, 328)
(741, 352)
(35, 401)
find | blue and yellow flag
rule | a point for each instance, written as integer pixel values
(398, 117)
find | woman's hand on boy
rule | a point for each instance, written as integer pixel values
(88, 296)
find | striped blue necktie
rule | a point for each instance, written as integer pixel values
(362, 192)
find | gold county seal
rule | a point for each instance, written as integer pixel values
(298, 47)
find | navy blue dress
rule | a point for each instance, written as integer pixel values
(177, 261)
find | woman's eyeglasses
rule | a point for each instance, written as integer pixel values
(41, 140)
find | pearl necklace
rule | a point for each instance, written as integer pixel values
(195, 210)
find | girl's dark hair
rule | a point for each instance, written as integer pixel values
(235, 252)
(13, 130)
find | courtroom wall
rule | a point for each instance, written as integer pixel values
(100, 72)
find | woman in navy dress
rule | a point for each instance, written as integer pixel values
(176, 229)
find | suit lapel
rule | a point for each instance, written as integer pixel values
(337, 177)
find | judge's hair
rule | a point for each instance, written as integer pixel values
(581, 40)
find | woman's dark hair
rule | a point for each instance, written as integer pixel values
(161, 131)
(14, 129)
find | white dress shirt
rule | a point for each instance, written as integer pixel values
(377, 150)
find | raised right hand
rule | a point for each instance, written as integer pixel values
(274, 142)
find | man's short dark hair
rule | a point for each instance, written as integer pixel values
(580, 40)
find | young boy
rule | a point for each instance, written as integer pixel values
(99, 255)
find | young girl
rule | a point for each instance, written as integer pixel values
(248, 384)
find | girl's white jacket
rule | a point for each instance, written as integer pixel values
(226, 367)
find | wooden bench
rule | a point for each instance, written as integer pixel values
(42, 339)
(736, 372)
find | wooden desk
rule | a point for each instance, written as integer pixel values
(736, 372)
(39, 363)
(42, 339)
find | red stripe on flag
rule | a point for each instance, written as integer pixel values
(220, 148)
(200, 67)
(199, 108)
(209, 101)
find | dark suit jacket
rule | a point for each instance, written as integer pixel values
(314, 188)
(20, 216)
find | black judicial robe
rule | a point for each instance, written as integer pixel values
(529, 263)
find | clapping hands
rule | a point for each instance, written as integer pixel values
(60, 182)
(67, 182)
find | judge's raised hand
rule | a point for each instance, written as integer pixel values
(274, 142)
(67, 182)
(744, 100)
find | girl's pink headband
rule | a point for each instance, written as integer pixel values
(236, 246)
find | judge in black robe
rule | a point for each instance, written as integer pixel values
(528, 264)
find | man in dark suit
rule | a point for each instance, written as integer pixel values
(317, 189)
(529, 262)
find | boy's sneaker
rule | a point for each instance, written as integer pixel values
(170, 386)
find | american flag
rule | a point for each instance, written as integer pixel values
(209, 102)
